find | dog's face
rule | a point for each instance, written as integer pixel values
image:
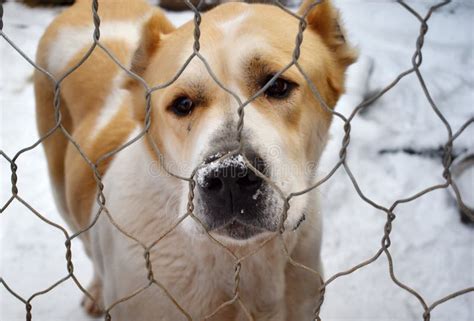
(195, 121)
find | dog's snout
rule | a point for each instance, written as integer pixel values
(229, 187)
(234, 179)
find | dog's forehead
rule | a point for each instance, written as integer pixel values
(238, 22)
(231, 37)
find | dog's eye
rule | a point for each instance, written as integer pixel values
(182, 106)
(280, 89)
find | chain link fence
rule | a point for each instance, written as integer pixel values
(389, 212)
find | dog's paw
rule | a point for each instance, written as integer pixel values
(94, 307)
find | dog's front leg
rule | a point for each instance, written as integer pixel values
(94, 306)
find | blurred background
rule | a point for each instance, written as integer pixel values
(395, 152)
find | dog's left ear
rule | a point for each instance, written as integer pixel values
(323, 19)
(152, 33)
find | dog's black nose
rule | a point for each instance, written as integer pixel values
(231, 178)
(229, 187)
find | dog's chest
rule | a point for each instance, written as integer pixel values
(192, 274)
(198, 278)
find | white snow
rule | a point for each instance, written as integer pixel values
(463, 175)
(203, 172)
(433, 252)
(257, 194)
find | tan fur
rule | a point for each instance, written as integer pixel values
(161, 51)
(86, 90)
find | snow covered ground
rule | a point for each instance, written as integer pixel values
(433, 252)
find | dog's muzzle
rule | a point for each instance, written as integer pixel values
(233, 196)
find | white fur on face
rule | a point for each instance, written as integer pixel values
(231, 26)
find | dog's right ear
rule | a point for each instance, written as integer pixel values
(152, 33)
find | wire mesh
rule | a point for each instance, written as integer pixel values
(236, 298)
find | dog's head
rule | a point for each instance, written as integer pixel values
(195, 113)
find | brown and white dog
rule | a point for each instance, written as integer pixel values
(193, 123)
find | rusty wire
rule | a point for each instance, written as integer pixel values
(417, 59)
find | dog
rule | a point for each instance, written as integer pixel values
(193, 132)
(174, 5)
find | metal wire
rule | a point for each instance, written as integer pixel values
(417, 60)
